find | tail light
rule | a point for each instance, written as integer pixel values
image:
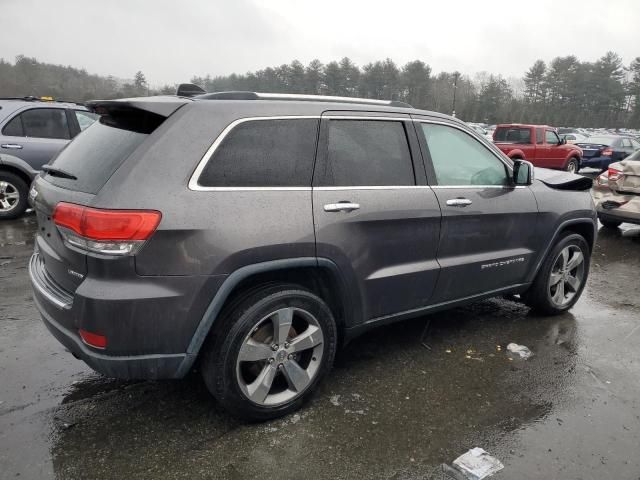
(614, 175)
(93, 339)
(607, 152)
(107, 232)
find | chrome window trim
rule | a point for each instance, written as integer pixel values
(446, 124)
(371, 187)
(195, 186)
(193, 180)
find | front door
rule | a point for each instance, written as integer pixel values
(374, 214)
(488, 232)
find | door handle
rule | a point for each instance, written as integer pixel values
(11, 146)
(341, 207)
(459, 202)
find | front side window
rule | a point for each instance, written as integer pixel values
(45, 123)
(459, 159)
(264, 153)
(552, 138)
(366, 153)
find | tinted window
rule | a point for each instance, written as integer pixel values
(94, 155)
(85, 119)
(366, 153)
(552, 138)
(513, 134)
(14, 128)
(264, 153)
(539, 136)
(45, 123)
(459, 159)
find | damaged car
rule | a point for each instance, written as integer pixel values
(617, 193)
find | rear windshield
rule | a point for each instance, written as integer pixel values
(600, 140)
(513, 134)
(97, 152)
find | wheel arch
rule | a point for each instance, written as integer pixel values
(582, 226)
(319, 275)
(16, 171)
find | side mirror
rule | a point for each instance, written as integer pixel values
(523, 172)
(563, 140)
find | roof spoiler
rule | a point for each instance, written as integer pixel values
(189, 90)
(160, 105)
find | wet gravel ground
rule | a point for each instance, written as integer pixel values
(391, 409)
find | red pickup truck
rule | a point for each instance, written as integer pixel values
(538, 144)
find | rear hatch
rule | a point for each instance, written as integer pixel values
(624, 176)
(78, 173)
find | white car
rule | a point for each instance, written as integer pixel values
(573, 137)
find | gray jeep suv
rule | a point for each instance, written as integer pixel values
(32, 132)
(252, 234)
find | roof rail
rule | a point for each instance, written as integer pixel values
(31, 98)
(240, 95)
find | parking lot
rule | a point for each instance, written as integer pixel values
(392, 408)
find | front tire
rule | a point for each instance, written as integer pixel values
(573, 165)
(270, 351)
(562, 276)
(13, 196)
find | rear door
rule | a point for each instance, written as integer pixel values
(487, 240)
(374, 214)
(36, 135)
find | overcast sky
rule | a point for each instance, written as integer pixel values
(170, 41)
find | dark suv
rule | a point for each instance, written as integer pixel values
(254, 234)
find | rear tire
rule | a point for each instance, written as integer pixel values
(562, 276)
(610, 223)
(270, 351)
(13, 196)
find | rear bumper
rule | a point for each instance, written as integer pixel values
(129, 367)
(613, 216)
(149, 322)
(597, 162)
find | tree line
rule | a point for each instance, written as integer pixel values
(563, 92)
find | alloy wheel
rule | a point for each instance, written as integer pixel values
(281, 356)
(567, 275)
(9, 196)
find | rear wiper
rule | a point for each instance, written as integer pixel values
(57, 172)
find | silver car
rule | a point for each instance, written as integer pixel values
(32, 132)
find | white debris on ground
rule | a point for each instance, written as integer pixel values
(335, 400)
(477, 464)
(520, 350)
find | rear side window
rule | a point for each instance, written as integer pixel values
(85, 119)
(14, 128)
(94, 155)
(513, 135)
(366, 153)
(264, 153)
(45, 123)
